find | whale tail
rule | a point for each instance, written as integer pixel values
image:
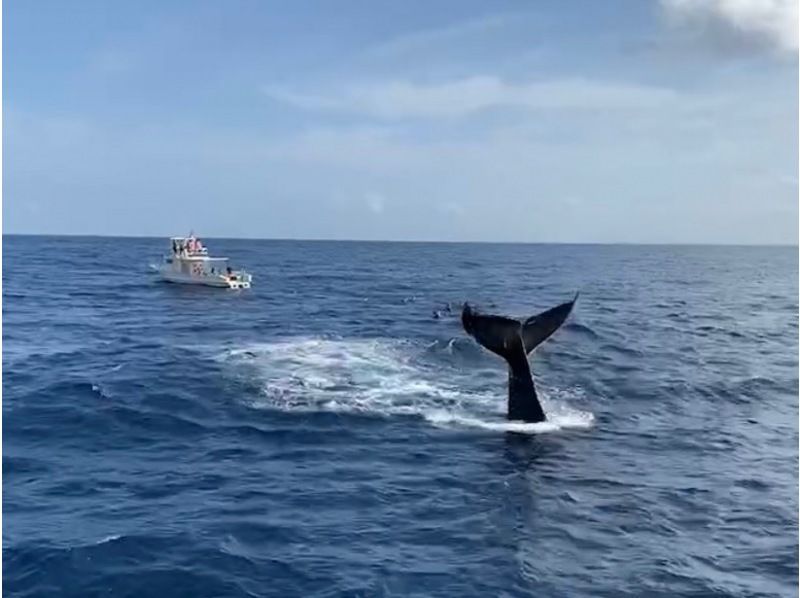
(538, 328)
(513, 341)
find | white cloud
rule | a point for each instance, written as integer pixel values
(375, 202)
(463, 97)
(112, 61)
(704, 167)
(451, 208)
(771, 21)
(450, 33)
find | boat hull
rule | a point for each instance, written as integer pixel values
(208, 281)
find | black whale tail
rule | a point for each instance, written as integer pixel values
(538, 328)
(513, 340)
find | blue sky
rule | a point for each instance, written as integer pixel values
(663, 121)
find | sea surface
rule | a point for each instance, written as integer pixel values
(334, 432)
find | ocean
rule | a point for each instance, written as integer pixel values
(334, 432)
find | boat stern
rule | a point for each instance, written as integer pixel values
(239, 280)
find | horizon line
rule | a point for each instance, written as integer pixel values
(412, 241)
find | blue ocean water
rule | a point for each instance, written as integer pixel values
(333, 432)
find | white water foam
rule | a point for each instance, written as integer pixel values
(555, 422)
(386, 377)
(110, 538)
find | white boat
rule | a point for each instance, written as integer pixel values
(189, 263)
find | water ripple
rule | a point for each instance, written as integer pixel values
(333, 432)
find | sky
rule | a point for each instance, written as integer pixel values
(630, 121)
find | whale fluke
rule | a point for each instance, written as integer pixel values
(513, 341)
(538, 328)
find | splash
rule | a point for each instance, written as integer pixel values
(387, 377)
(555, 422)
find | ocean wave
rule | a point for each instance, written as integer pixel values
(581, 329)
(318, 435)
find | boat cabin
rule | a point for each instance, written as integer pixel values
(183, 247)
